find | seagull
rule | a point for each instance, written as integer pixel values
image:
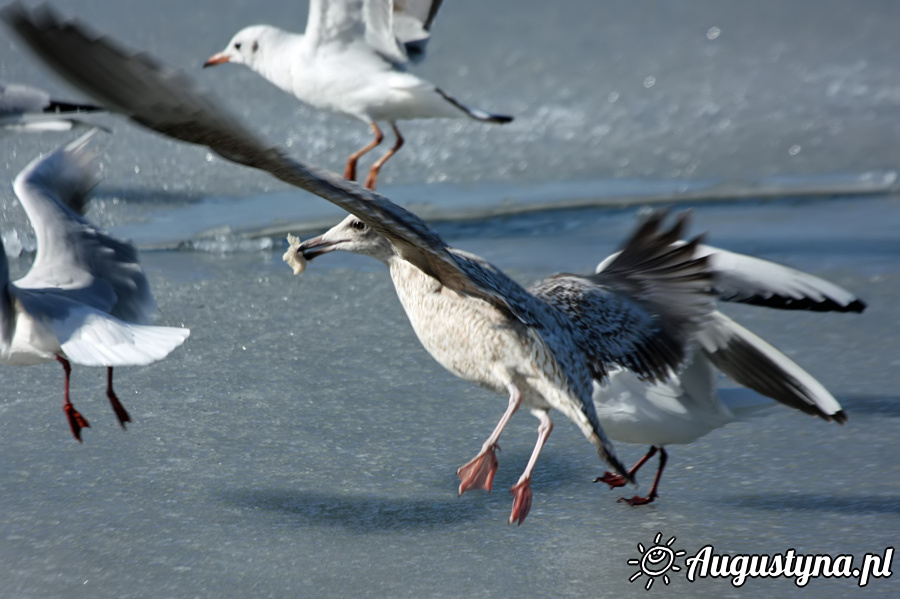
(85, 299)
(352, 61)
(543, 351)
(544, 346)
(688, 406)
(27, 108)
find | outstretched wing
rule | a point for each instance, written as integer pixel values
(749, 280)
(165, 100)
(72, 254)
(334, 21)
(752, 362)
(643, 311)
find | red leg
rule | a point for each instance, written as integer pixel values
(522, 490)
(118, 408)
(375, 168)
(350, 169)
(76, 420)
(617, 480)
(478, 473)
(636, 500)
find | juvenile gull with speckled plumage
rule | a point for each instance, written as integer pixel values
(543, 349)
(545, 346)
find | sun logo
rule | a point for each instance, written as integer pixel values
(656, 561)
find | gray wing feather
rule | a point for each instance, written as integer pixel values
(757, 365)
(91, 265)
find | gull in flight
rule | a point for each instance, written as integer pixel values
(27, 108)
(543, 349)
(85, 299)
(352, 61)
(688, 406)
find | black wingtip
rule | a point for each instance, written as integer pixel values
(840, 417)
(58, 107)
(500, 119)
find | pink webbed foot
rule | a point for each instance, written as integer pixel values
(522, 501)
(76, 420)
(479, 472)
(612, 479)
(636, 500)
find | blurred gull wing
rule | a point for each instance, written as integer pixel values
(72, 254)
(165, 100)
(749, 280)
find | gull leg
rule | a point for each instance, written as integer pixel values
(636, 500)
(118, 408)
(350, 169)
(478, 473)
(522, 490)
(617, 480)
(76, 420)
(375, 168)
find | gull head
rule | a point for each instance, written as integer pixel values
(247, 46)
(349, 235)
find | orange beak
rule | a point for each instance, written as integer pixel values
(215, 59)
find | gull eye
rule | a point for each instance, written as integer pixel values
(358, 225)
(255, 46)
(237, 45)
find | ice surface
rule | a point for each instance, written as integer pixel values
(303, 444)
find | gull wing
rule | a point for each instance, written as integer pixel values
(165, 100)
(749, 360)
(399, 29)
(335, 21)
(92, 266)
(749, 280)
(644, 309)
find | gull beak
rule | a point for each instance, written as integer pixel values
(215, 59)
(312, 248)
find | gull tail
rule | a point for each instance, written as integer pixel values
(475, 113)
(96, 339)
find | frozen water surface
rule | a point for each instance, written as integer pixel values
(303, 444)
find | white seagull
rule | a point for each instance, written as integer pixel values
(687, 407)
(544, 351)
(85, 299)
(352, 61)
(27, 108)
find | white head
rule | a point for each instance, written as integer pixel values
(249, 46)
(349, 235)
